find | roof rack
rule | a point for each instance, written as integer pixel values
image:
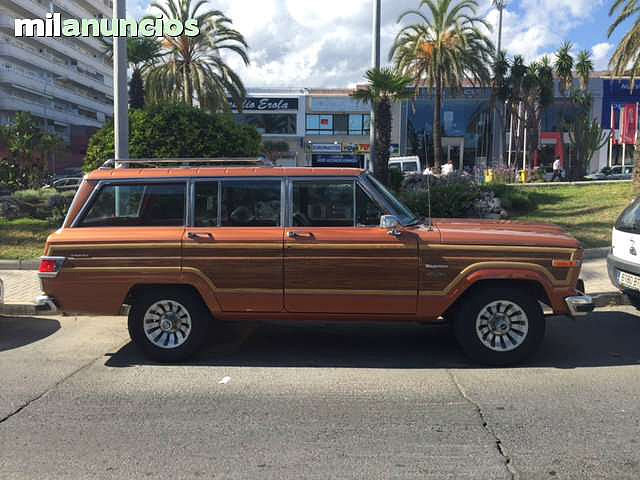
(182, 162)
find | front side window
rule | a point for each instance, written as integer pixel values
(323, 203)
(251, 203)
(368, 212)
(137, 205)
(206, 204)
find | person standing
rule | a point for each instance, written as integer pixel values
(557, 170)
(448, 169)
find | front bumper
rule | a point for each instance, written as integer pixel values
(46, 305)
(616, 265)
(580, 305)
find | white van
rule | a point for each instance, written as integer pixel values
(407, 165)
(624, 260)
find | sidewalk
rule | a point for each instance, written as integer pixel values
(22, 286)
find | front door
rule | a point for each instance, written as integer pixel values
(337, 258)
(236, 242)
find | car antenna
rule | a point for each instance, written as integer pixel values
(430, 220)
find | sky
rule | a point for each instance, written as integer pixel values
(327, 43)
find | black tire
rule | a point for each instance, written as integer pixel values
(182, 300)
(509, 348)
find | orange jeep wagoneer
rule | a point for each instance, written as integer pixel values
(187, 247)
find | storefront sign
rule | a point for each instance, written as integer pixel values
(326, 148)
(336, 160)
(338, 105)
(267, 104)
(363, 148)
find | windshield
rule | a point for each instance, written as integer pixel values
(629, 221)
(400, 210)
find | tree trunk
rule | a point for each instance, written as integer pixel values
(383, 140)
(188, 91)
(636, 170)
(437, 126)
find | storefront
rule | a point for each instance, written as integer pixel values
(279, 118)
(336, 130)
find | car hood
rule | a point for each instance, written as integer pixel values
(502, 232)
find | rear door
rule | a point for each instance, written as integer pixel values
(338, 260)
(236, 240)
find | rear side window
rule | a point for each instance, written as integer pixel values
(251, 203)
(138, 205)
(629, 221)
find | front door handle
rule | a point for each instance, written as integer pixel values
(200, 236)
(298, 235)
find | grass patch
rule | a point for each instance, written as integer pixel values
(24, 238)
(587, 212)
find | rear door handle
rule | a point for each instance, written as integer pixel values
(306, 235)
(200, 236)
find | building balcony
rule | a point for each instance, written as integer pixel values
(68, 117)
(66, 46)
(53, 90)
(28, 54)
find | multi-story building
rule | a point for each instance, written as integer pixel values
(66, 83)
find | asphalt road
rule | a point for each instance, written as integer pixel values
(77, 401)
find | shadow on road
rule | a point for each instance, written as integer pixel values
(20, 331)
(603, 339)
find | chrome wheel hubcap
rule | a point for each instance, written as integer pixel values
(502, 326)
(167, 324)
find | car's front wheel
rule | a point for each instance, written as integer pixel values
(169, 325)
(499, 326)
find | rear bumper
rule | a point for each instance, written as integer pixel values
(580, 305)
(46, 304)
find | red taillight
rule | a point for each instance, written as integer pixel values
(50, 266)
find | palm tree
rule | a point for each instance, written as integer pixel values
(444, 50)
(564, 67)
(584, 68)
(384, 86)
(142, 52)
(193, 69)
(626, 58)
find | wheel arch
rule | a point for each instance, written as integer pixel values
(207, 297)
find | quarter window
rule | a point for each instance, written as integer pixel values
(251, 204)
(323, 204)
(368, 212)
(139, 205)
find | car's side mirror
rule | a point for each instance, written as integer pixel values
(390, 223)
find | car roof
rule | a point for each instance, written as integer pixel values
(195, 172)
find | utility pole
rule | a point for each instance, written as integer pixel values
(120, 94)
(375, 60)
(498, 137)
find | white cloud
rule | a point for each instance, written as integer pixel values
(601, 54)
(327, 43)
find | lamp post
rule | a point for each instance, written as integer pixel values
(498, 137)
(375, 60)
(120, 94)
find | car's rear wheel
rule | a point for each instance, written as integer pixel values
(499, 326)
(169, 325)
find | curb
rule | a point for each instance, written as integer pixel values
(20, 310)
(596, 253)
(19, 264)
(610, 299)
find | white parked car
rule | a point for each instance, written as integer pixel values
(623, 262)
(407, 165)
(612, 173)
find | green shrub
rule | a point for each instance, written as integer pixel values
(452, 196)
(176, 131)
(396, 178)
(514, 199)
(35, 196)
(43, 204)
